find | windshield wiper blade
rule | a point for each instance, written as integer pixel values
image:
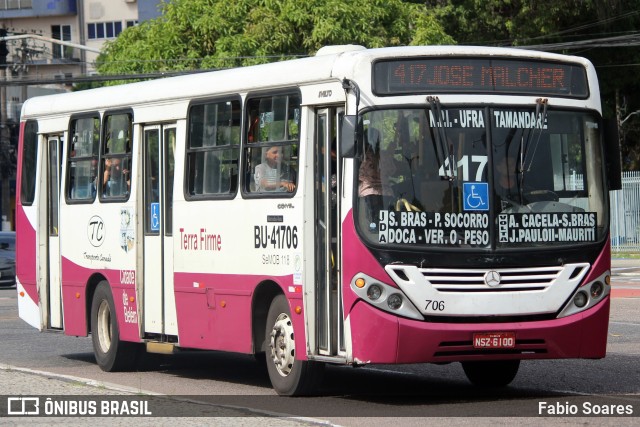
(440, 137)
(541, 103)
(525, 146)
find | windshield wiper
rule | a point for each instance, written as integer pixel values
(541, 117)
(440, 137)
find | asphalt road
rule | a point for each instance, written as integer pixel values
(353, 397)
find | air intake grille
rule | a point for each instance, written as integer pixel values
(498, 280)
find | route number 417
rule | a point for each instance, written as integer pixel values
(478, 163)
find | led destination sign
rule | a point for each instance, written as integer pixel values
(479, 75)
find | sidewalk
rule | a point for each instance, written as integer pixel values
(624, 262)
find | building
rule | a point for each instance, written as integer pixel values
(61, 39)
(50, 43)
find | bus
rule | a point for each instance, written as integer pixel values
(400, 205)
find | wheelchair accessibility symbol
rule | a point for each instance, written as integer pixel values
(155, 217)
(476, 196)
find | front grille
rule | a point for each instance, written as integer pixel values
(488, 294)
(511, 279)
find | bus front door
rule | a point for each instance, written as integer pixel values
(329, 332)
(159, 315)
(53, 298)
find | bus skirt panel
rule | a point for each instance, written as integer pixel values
(379, 337)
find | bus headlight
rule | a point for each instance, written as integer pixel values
(374, 292)
(597, 288)
(581, 299)
(394, 301)
(587, 296)
(384, 297)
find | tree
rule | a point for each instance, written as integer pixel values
(194, 34)
(618, 69)
(510, 22)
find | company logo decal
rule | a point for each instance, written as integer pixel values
(95, 231)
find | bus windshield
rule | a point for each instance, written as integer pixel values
(481, 177)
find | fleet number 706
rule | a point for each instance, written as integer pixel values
(434, 305)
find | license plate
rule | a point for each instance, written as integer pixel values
(494, 340)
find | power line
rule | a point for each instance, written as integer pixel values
(627, 40)
(70, 79)
(637, 64)
(559, 34)
(617, 41)
(589, 25)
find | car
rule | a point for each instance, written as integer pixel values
(7, 258)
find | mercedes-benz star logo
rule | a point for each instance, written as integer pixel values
(492, 278)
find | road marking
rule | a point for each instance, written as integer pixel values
(624, 323)
(625, 293)
(71, 378)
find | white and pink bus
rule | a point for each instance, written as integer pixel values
(362, 206)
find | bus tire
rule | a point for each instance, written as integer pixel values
(289, 376)
(111, 353)
(492, 373)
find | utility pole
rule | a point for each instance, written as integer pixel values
(7, 166)
(8, 156)
(24, 53)
(8, 162)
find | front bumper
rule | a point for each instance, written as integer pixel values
(380, 337)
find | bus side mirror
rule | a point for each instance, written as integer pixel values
(348, 136)
(613, 161)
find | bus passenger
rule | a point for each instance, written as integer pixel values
(114, 175)
(370, 183)
(106, 178)
(94, 178)
(273, 174)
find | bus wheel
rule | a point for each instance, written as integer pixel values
(289, 377)
(493, 373)
(111, 353)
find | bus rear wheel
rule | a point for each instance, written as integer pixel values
(289, 376)
(111, 353)
(493, 373)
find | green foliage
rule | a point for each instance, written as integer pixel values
(510, 22)
(194, 34)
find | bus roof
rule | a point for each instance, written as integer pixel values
(331, 63)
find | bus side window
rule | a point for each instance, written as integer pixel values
(115, 176)
(272, 135)
(213, 148)
(83, 159)
(29, 157)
